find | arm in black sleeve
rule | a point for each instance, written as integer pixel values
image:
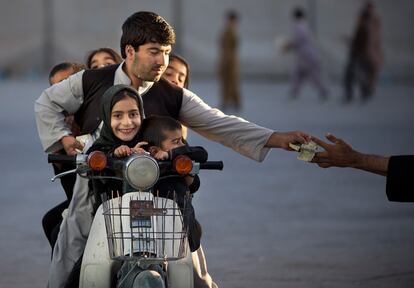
(400, 179)
(196, 153)
(195, 185)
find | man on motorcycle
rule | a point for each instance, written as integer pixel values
(146, 43)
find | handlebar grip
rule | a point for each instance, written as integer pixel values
(56, 158)
(212, 165)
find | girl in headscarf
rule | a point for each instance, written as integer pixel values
(122, 115)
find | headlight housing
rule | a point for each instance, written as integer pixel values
(141, 171)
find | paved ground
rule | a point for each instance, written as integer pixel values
(280, 223)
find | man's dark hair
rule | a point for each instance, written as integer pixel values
(145, 27)
(153, 128)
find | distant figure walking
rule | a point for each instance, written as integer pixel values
(229, 63)
(307, 66)
(365, 55)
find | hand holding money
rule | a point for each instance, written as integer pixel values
(306, 150)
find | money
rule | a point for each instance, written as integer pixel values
(306, 151)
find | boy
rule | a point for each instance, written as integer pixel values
(165, 142)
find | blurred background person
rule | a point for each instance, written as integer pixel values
(307, 65)
(102, 57)
(178, 73)
(228, 66)
(365, 55)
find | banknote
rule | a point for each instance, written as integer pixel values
(306, 150)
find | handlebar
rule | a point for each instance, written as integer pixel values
(212, 165)
(75, 159)
(64, 159)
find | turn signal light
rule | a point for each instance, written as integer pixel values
(183, 164)
(97, 160)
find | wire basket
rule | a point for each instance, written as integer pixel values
(141, 226)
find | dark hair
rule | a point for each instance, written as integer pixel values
(76, 67)
(298, 13)
(232, 15)
(122, 95)
(153, 128)
(115, 56)
(185, 63)
(145, 27)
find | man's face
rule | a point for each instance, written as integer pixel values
(149, 61)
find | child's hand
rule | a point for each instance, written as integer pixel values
(158, 154)
(122, 151)
(137, 149)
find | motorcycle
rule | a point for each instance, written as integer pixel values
(137, 229)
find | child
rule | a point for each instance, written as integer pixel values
(178, 73)
(122, 115)
(102, 57)
(51, 220)
(165, 142)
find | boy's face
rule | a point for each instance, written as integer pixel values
(149, 61)
(173, 140)
(176, 73)
(60, 75)
(125, 119)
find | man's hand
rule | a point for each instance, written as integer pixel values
(71, 145)
(340, 154)
(283, 139)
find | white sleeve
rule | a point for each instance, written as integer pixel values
(49, 108)
(242, 136)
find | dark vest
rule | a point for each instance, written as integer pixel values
(162, 98)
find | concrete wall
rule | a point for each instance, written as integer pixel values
(29, 43)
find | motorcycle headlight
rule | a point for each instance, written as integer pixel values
(141, 171)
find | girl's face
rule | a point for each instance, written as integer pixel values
(125, 119)
(101, 59)
(176, 73)
(173, 140)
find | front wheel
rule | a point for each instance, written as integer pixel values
(148, 279)
(131, 275)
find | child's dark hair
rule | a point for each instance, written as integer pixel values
(76, 67)
(153, 128)
(115, 56)
(122, 95)
(145, 27)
